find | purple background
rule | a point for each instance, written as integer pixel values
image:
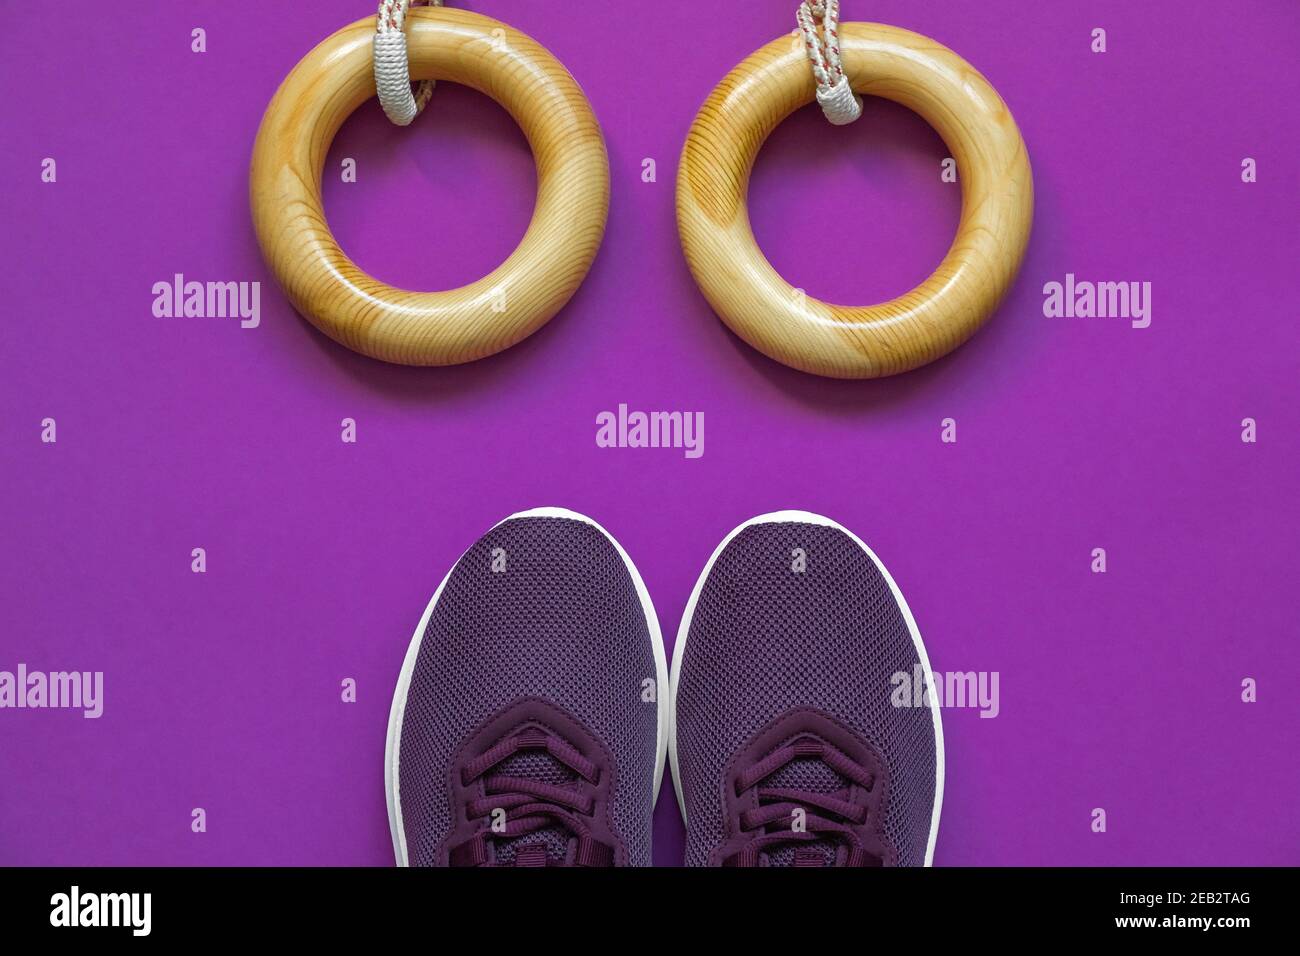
(1119, 691)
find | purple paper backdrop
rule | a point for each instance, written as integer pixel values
(222, 690)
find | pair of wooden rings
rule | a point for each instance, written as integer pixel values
(459, 325)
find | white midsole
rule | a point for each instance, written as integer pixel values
(804, 517)
(392, 748)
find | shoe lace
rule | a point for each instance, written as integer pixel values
(828, 817)
(531, 805)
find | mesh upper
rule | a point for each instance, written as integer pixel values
(764, 639)
(564, 623)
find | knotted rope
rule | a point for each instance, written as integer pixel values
(819, 22)
(392, 67)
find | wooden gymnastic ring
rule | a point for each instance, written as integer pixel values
(459, 325)
(855, 341)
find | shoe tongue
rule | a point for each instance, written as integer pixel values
(807, 773)
(549, 846)
(815, 853)
(812, 775)
(536, 765)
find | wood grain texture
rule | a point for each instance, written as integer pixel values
(459, 325)
(855, 341)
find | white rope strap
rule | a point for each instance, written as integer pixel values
(838, 101)
(393, 69)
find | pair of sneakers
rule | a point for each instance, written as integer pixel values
(534, 713)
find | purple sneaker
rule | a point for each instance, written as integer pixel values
(788, 749)
(529, 723)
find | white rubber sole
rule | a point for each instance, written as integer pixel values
(805, 517)
(392, 749)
